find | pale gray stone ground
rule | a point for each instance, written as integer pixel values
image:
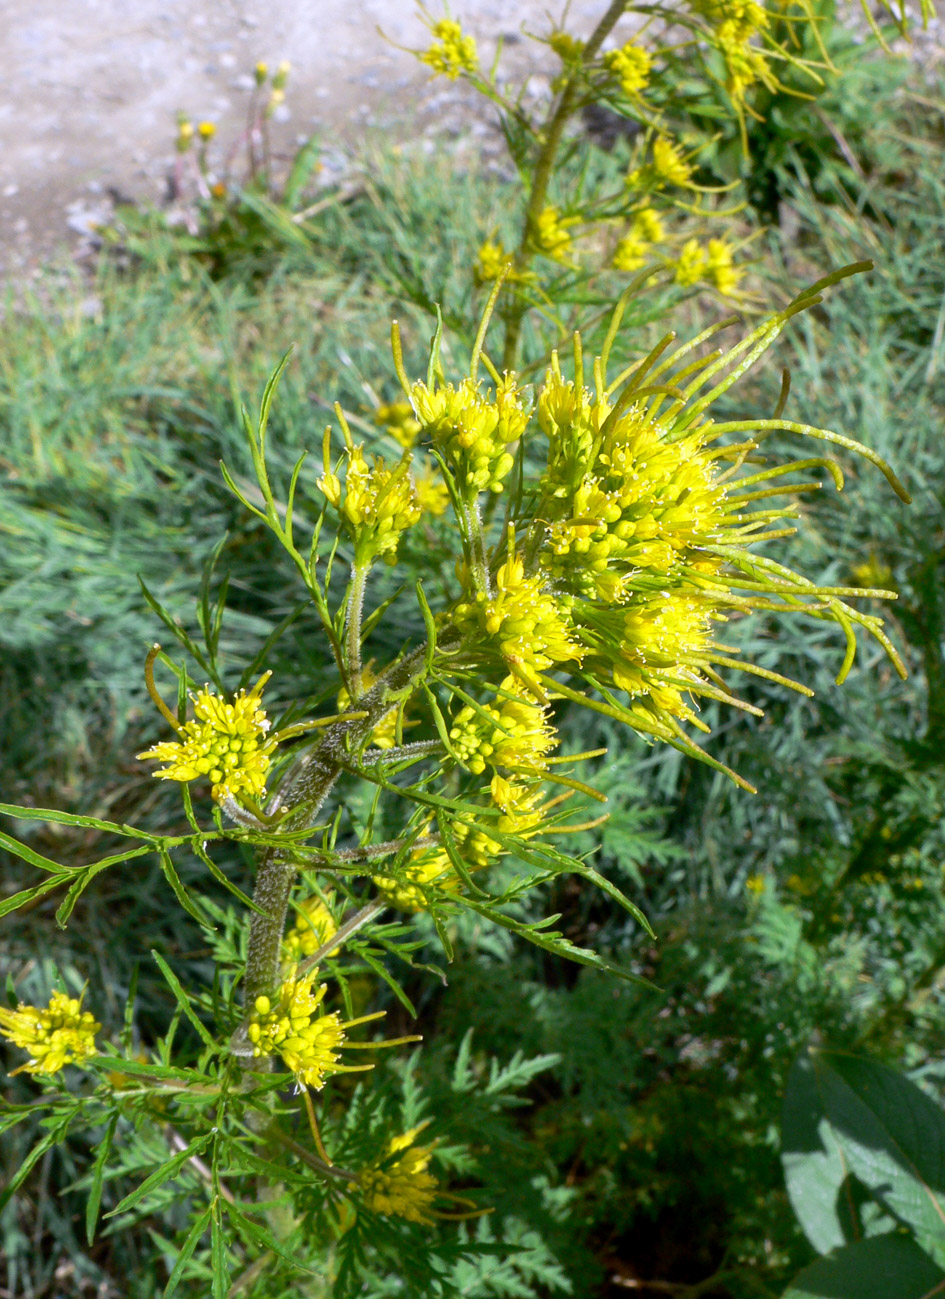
(90, 89)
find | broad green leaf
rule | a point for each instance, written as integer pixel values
(883, 1267)
(892, 1137)
(815, 1170)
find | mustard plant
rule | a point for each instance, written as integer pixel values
(632, 524)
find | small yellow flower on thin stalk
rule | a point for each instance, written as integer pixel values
(55, 1035)
(691, 264)
(398, 1183)
(646, 229)
(225, 743)
(491, 261)
(668, 166)
(185, 135)
(720, 268)
(452, 52)
(207, 130)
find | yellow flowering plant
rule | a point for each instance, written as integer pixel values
(634, 523)
(670, 79)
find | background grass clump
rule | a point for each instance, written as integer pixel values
(633, 1130)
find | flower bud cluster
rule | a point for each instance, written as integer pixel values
(314, 926)
(525, 622)
(55, 1035)
(627, 498)
(732, 25)
(515, 732)
(295, 1027)
(377, 504)
(225, 744)
(550, 235)
(631, 66)
(667, 166)
(632, 250)
(452, 52)
(399, 1183)
(472, 431)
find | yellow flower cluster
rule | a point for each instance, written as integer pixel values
(519, 814)
(551, 236)
(225, 744)
(515, 732)
(636, 508)
(376, 505)
(523, 620)
(472, 431)
(432, 493)
(314, 926)
(55, 1035)
(733, 23)
(296, 1027)
(714, 264)
(631, 66)
(397, 419)
(646, 229)
(399, 1183)
(491, 261)
(452, 52)
(667, 166)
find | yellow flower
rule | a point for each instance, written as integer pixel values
(645, 229)
(491, 261)
(376, 505)
(296, 1027)
(398, 1183)
(630, 253)
(523, 620)
(185, 135)
(472, 431)
(755, 884)
(54, 1035)
(568, 48)
(668, 167)
(514, 732)
(396, 418)
(691, 264)
(206, 130)
(225, 744)
(314, 926)
(432, 493)
(281, 75)
(452, 52)
(720, 269)
(260, 73)
(873, 573)
(550, 235)
(631, 65)
(426, 866)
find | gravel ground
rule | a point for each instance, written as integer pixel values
(91, 90)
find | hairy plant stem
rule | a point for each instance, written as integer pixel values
(307, 789)
(359, 574)
(552, 133)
